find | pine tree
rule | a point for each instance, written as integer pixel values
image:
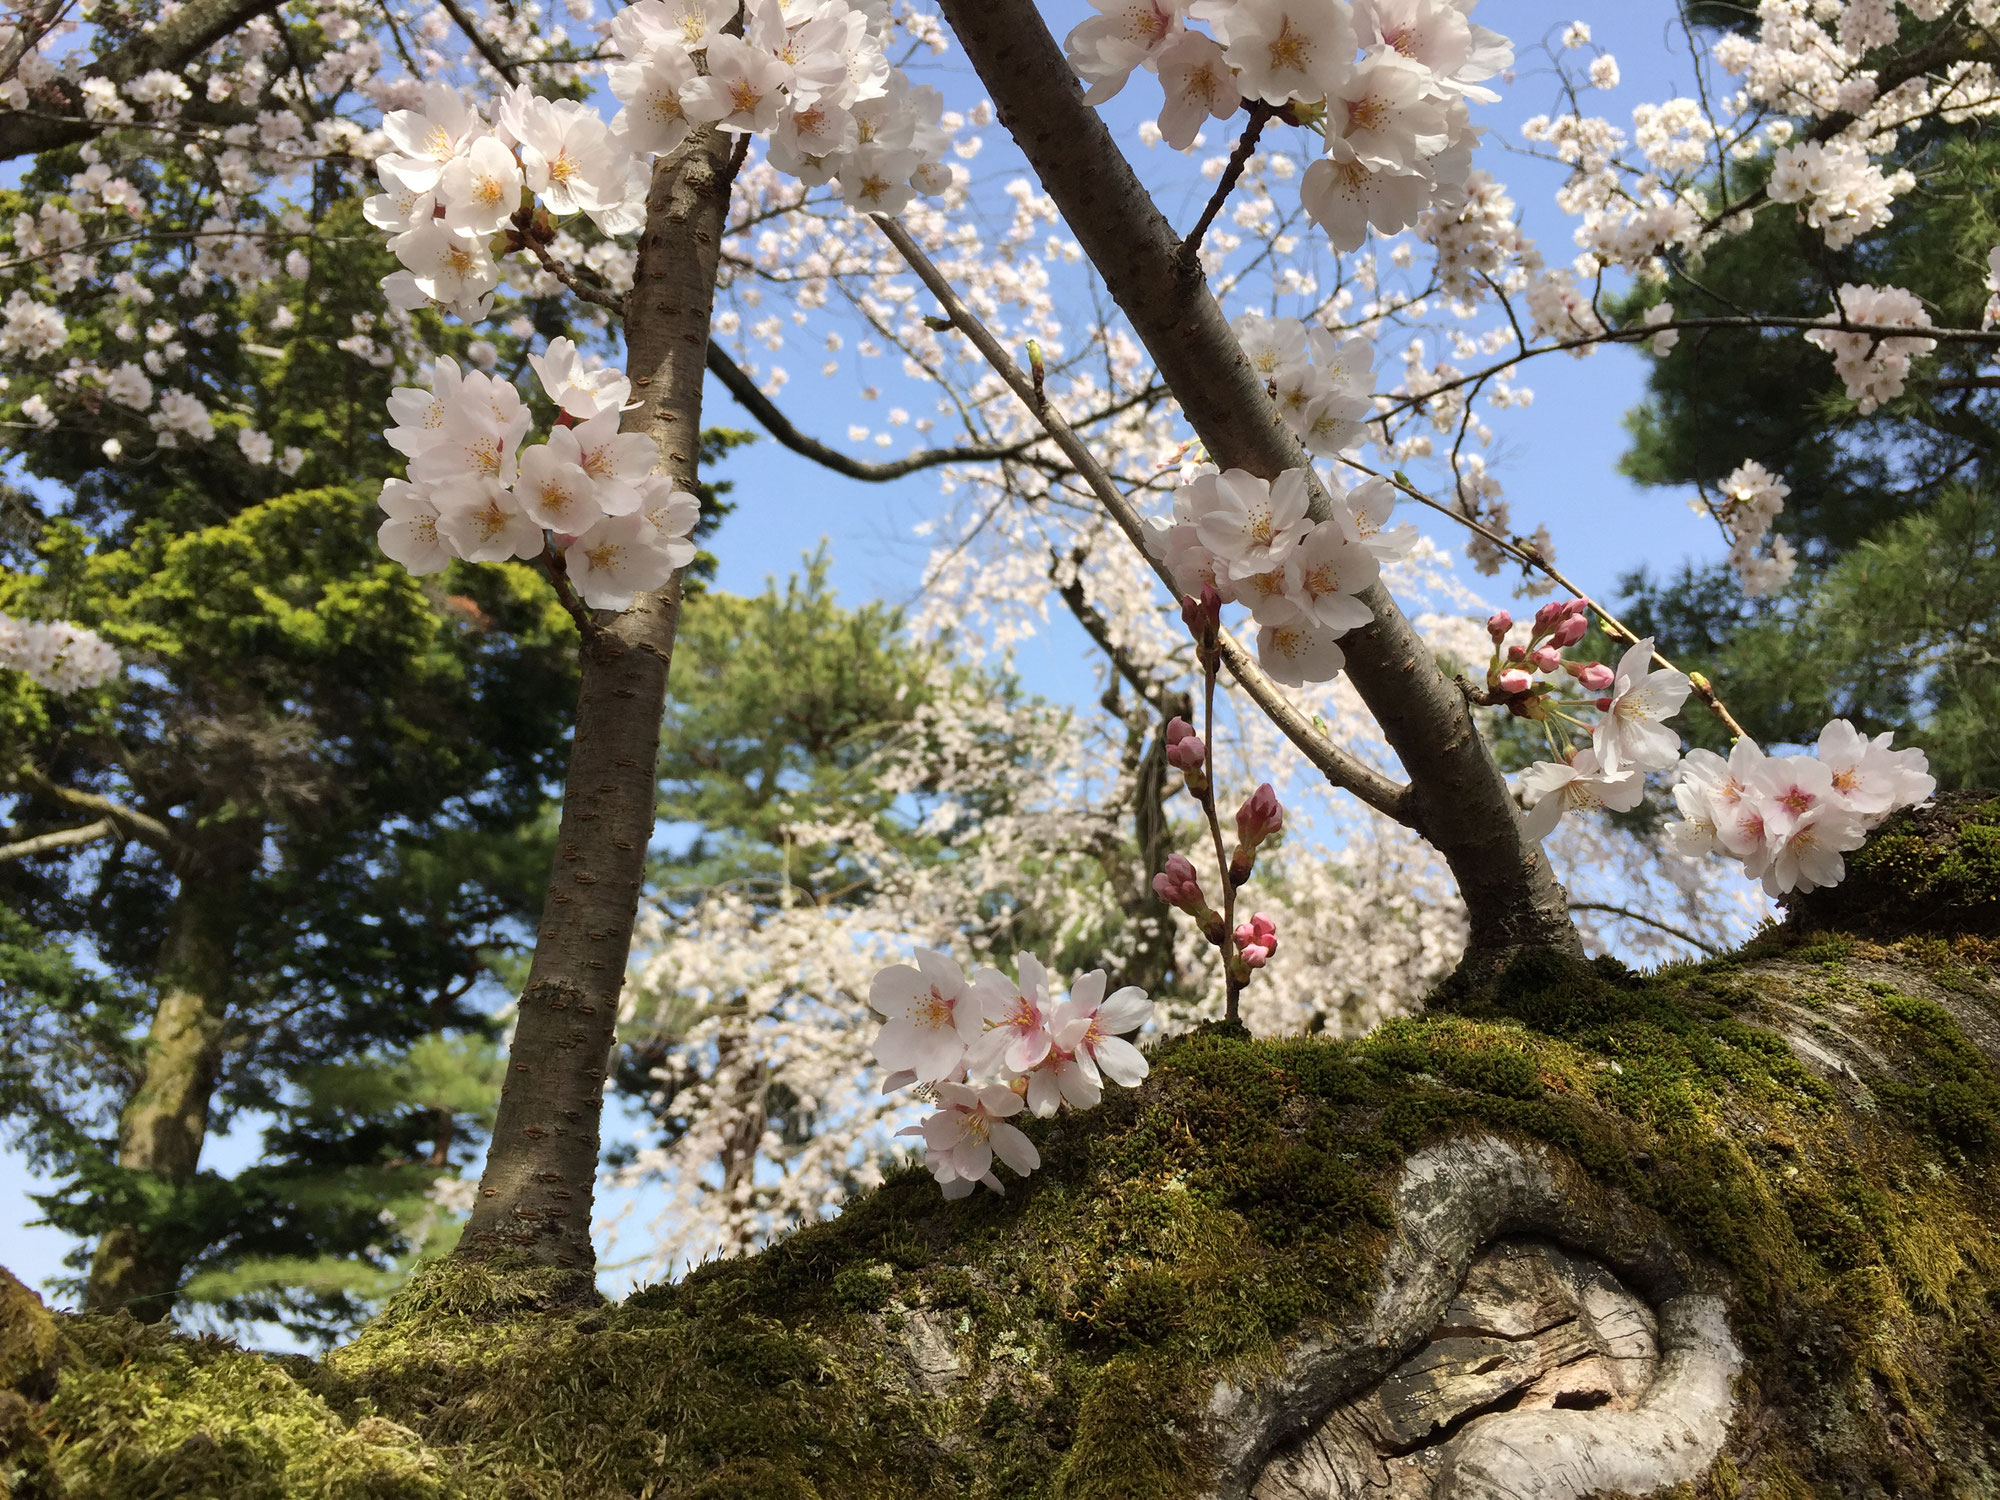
(1895, 514)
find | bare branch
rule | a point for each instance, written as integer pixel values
(1640, 917)
(501, 63)
(739, 384)
(135, 824)
(62, 838)
(1239, 157)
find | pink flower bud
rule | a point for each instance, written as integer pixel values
(1548, 615)
(1259, 932)
(1185, 750)
(1176, 884)
(1578, 606)
(1596, 677)
(1517, 653)
(1255, 957)
(1203, 615)
(1498, 626)
(1546, 659)
(1514, 680)
(1604, 705)
(1259, 817)
(1570, 631)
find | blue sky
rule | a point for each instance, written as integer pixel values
(1556, 458)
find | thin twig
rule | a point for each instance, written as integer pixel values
(600, 296)
(1260, 113)
(1232, 988)
(1529, 556)
(558, 570)
(1340, 767)
(736, 380)
(501, 63)
(1639, 916)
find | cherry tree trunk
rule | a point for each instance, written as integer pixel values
(535, 1193)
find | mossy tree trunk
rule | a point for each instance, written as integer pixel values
(1729, 1230)
(541, 1170)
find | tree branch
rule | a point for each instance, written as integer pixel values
(1342, 768)
(1459, 799)
(737, 381)
(1528, 556)
(1638, 916)
(133, 823)
(171, 45)
(501, 64)
(1166, 702)
(1239, 157)
(62, 838)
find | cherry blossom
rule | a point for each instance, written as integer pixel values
(1125, 34)
(1017, 1017)
(622, 556)
(969, 1130)
(57, 655)
(1551, 788)
(1631, 732)
(930, 1021)
(1250, 524)
(410, 534)
(1195, 76)
(1093, 1026)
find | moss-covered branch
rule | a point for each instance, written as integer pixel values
(1805, 1131)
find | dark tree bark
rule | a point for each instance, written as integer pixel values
(138, 1265)
(1460, 803)
(535, 1194)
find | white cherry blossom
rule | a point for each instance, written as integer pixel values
(1632, 732)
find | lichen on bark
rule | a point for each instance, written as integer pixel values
(1804, 1131)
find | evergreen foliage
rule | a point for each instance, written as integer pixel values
(1895, 515)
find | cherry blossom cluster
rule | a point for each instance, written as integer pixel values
(1629, 737)
(1250, 541)
(809, 75)
(1789, 818)
(1844, 192)
(57, 655)
(987, 1048)
(1874, 367)
(811, 79)
(1382, 83)
(588, 490)
(1322, 385)
(1750, 501)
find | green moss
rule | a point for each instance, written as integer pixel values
(1180, 1231)
(1952, 1094)
(140, 1412)
(1928, 870)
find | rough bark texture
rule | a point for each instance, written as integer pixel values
(1461, 802)
(1727, 1231)
(137, 1266)
(535, 1193)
